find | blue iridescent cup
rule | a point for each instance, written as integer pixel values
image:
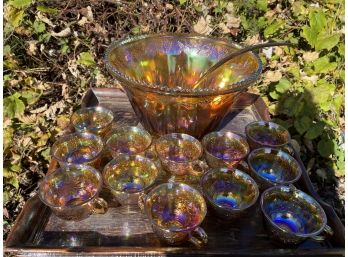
(272, 167)
(129, 176)
(78, 148)
(72, 192)
(231, 193)
(293, 216)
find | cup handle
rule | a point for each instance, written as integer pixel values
(202, 166)
(288, 149)
(200, 239)
(327, 232)
(151, 153)
(100, 206)
(141, 201)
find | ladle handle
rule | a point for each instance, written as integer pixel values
(237, 53)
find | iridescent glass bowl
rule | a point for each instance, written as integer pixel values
(231, 193)
(96, 120)
(128, 176)
(266, 134)
(292, 215)
(72, 192)
(224, 149)
(78, 148)
(159, 72)
(175, 211)
(273, 167)
(128, 140)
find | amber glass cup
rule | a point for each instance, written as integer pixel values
(175, 211)
(72, 192)
(224, 149)
(159, 73)
(179, 154)
(292, 216)
(128, 140)
(273, 167)
(96, 120)
(266, 134)
(78, 148)
(129, 176)
(230, 192)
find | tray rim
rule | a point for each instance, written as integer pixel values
(91, 96)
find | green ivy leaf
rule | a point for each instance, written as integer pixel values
(274, 95)
(326, 42)
(302, 124)
(273, 28)
(39, 26)
(326, 147)
(337, 103)
(46, 9)
(13, 106)
(7, 50)
(283, 85)
(323, 65)
(310, 35)
(182, 2)
(7, 137)
(322, 94)
(30, 96)
(12, 180)
(315, 130)
(15, 17)
(317, 20)
(262, 5)
(20, 3)
(86, 59)
(6, 195)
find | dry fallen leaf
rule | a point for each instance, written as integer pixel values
(32, 48)
(72, 67)
(273, 76)
(40, 109)
(83, 21)
(224, 28)
(231, 21)
(64, 33)
(44, 19)
(202, 26)
(310, 56)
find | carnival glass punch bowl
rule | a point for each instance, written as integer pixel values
(159, 73)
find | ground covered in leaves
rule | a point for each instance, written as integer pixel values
(53, 52)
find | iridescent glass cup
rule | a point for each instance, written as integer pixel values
(224, 149)
(159, 73)
(179, 154)
(231, 193)
(266, 134)
(78, 148)
(96, 120)
(72, 191)
(293, 216)
(129, 176)
(175, 211)
(128, 140)
(273, 167)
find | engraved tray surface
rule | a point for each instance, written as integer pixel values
(124, 230)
